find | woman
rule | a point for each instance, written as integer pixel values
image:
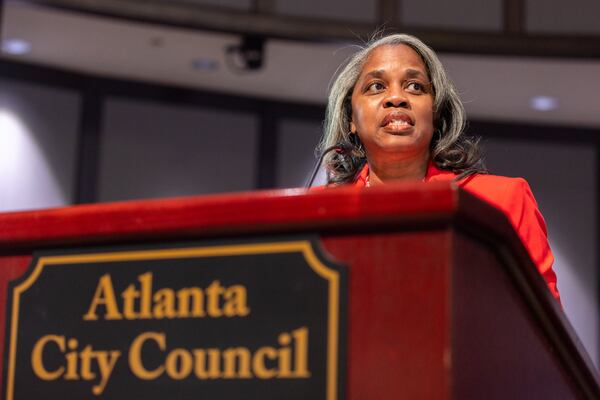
(395, 107)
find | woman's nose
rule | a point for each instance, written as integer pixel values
(396, 99)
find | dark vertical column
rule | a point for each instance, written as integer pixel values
(514, 17)
(88, 154)
(388, 13)
(267, 149)
(264, 6)
(1, 20)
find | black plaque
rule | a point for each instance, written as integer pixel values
(251, 320)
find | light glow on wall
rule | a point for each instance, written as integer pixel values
(11, 138)
(26, 179)
(579, 295)
(16, 47)
(543, 103)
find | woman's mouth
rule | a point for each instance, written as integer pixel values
(397, 122)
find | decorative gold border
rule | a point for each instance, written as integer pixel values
(303, 246)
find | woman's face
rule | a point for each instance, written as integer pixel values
(392, 105)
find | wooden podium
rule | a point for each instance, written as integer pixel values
(442, 299)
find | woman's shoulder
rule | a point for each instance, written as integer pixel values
(503, 191)
(484, 184)
(494, 183)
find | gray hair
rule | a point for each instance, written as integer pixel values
(450, 148)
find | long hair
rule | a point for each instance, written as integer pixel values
(451, 149)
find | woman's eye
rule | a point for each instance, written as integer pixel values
(416, 87)
(375, 87)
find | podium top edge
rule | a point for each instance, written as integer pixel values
(234, 213)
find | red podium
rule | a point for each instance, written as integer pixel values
(442, 299)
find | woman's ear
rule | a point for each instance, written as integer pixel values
(352, 127)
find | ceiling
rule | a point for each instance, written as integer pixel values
(492, 87)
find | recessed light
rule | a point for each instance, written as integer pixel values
(205, 64)
(16, 47)
(543, 103)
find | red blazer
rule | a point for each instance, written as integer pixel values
(513, 196)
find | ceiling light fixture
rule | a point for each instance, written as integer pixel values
(248, 55)
(543, 103)
(16, 46)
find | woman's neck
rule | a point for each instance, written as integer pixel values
(397, 170)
